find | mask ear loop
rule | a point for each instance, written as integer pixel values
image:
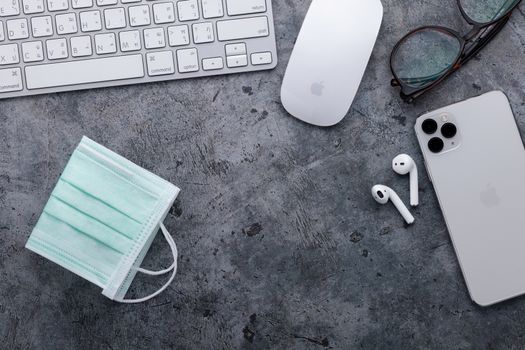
(173, 267)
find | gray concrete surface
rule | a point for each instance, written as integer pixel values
(282, 246)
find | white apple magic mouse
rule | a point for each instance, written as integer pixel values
(329, 59)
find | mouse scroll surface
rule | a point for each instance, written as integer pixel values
(329, 59)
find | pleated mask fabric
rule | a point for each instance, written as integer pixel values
(102, 217)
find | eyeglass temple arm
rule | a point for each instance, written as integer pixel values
(480, 43)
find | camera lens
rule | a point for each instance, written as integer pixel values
(449, 130)
(429, 126)
(436, 145)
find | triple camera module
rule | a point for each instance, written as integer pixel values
(448, 130)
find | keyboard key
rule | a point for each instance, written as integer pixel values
(188, 60)
(261, 58)
(164, 12)
(203, 33)
(235, 49)
(81, 46)
(42, 26)
(129, 1)
(32, 51)
(242, 28)
(66, 23)
(212, 63)
(178, 35)
(33, 6)
(85, 71)
(105, 43)
(188, 10)
(154, 38)
(160, 63)
(9, 54)
(2, 35)
(56, 49)
(57, 5)
(115, 18)
(81, 4)
(212, 8)
(90, 21)
(237, 61)
(130, 41)
(17, 29)
(139, 15)
(10, 80)
(9, 8)
(243, 7)
(106, 2)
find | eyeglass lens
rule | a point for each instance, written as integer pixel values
(486, 11)
(425, 56)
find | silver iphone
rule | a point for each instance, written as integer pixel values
(475, 158)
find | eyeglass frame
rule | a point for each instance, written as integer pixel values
(410, 93)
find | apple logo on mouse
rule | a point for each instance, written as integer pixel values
(489, 197)
(317, 88)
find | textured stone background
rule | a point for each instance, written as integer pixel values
(282, 245)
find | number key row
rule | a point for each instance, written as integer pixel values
(188, 9)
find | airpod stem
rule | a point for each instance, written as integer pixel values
(403, 164)
(414, 187)
(403, 210)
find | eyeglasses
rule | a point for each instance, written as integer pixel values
(426, 56)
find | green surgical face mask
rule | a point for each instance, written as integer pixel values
(102, 218)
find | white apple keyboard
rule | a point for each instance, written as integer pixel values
(63, 45)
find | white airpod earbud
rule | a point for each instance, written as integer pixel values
(382, 194)
(404, 164)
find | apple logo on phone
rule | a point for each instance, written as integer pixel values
(317, 88)
(489, 197)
